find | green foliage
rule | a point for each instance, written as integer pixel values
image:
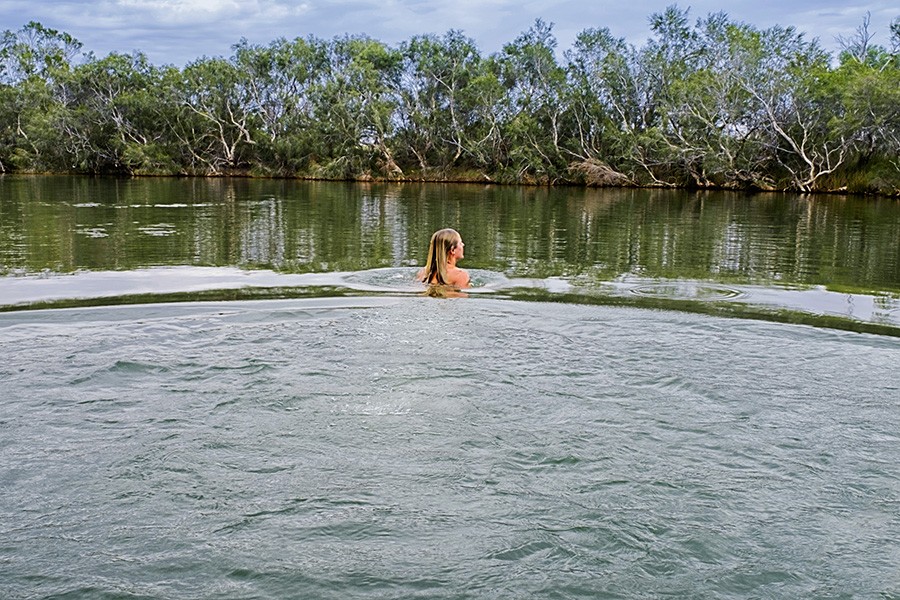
(282, 77)
(35, 52)
(708, 103)
(536, 112)
(447, 104)
(353, 107)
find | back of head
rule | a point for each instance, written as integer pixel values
(442, 243)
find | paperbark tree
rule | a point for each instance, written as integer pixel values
(535, 122)
(354, 108)
(216, 118)
(438, 109)
(280, 80)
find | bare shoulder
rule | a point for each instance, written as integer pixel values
(460, 278)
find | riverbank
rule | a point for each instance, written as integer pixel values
(588, 174)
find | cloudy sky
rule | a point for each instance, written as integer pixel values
(178, 31)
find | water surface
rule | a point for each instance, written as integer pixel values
(411, 447)
(237, 389)
(761, 255)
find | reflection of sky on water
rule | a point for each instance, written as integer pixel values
(881, 308)
(19, 290)
(722, 253)
(103, 284)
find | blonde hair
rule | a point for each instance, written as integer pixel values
(442, 244)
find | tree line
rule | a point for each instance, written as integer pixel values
(712, 103)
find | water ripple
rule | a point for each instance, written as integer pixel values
(400, 446)
(688, 290)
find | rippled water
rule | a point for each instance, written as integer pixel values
(237, 389)
(870, 313)
(396, 447)
(779, 256)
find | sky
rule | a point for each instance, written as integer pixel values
(180, 31)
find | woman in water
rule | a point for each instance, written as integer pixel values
(444, 250)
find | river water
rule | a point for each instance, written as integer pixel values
(237, 390)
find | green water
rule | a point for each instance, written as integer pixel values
(65, 224)
(236, 389)
(828, 256)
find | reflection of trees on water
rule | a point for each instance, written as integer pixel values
(525, 232)
(262, 241)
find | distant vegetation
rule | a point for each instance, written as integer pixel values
(710, 104)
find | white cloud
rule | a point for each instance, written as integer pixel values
(180, 6)
(178, 31)
(229, 14)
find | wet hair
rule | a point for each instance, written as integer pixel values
(442, 244)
